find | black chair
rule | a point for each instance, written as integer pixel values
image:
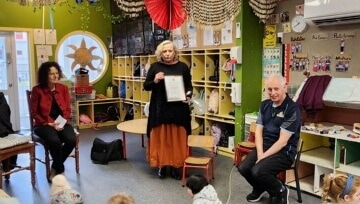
(295, 168)
(39, 140)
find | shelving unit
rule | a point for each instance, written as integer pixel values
(318, 159)
(202, 63)
(91, 107)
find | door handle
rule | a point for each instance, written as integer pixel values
(10, 85)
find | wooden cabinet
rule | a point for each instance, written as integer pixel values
(204, 65)
(95, 107)
(328, 153)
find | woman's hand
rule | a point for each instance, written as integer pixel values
(187, 100)
(55, 126)
(159, 76)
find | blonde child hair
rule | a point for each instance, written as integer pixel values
(339, 188)
(121, 198)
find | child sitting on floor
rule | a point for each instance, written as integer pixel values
(341, 188)
(201, 191)
(121, 198)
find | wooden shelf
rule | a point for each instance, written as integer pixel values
(91, 107)
(306, 184)
(322, 156)
(203, 63)
(353, 168)
(317, 152)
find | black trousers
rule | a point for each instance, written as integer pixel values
(60, 143)
(263, 175)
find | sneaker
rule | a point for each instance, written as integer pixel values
(255, 196)
(282, 198)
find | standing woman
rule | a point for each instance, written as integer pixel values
(49, 99)
(169, 123)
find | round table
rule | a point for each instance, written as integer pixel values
(138, 127)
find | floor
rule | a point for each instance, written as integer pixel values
(98, 182)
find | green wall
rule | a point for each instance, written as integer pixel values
(14, 15)
(249, 73)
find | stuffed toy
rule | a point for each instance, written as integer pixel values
(62, 193)
(213, 106)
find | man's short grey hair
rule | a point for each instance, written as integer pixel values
(278, 77)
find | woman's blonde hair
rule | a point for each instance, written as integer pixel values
(335, 187)
(121, 198)
(160, 48)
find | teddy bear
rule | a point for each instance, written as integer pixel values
(62, 193)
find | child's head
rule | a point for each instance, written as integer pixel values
(341, 188)
(195, 183)
(121, 198)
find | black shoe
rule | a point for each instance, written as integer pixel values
(175, 173)
(162, 172)
(255, 196)
(52, 175)
(282, 198)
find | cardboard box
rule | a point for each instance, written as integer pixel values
(83, 89)
(81, 80)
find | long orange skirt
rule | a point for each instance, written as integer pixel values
(167, 146)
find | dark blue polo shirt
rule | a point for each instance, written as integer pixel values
(287, 117)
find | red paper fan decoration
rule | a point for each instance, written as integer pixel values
(167, 14)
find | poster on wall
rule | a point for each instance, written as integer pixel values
(269, 40)
(227, 32)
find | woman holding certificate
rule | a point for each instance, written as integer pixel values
(169, 120)
(50, 102)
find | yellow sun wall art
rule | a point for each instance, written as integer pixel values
(82, 49)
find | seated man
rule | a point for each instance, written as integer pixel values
(6, 127)
(276, 137)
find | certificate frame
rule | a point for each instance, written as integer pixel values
(174, 86)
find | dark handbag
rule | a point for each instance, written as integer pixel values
(102, 152)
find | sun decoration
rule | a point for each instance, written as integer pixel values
(84, 57)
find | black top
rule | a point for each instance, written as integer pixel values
(286, 117)
(5, 123)
(161, 111)
(55, 110)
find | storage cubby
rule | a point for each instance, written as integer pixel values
(202, 64)
(319, 157)
(92, 107)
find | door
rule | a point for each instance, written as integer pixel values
(15, 75)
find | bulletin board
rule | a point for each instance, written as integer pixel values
(190, 36)
(327, 50)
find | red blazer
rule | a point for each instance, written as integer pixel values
(41, 100)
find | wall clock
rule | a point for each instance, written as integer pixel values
(82, 49)
(299, 24)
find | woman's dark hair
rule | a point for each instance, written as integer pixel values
(43, 72)
(196, 182)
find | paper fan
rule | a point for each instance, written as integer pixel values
(167, 14)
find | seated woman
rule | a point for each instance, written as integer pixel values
(49, 99)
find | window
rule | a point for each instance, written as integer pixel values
(82, 49)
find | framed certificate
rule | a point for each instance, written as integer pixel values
(174, 85)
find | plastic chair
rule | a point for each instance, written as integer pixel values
(200, 162)
(245, 147)
(295, 168)
(39, 140)
(12, 145)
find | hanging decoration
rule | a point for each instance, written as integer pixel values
(263, 8)
(131, 8)
(213, 13)
(36, 3)
(167, 14)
